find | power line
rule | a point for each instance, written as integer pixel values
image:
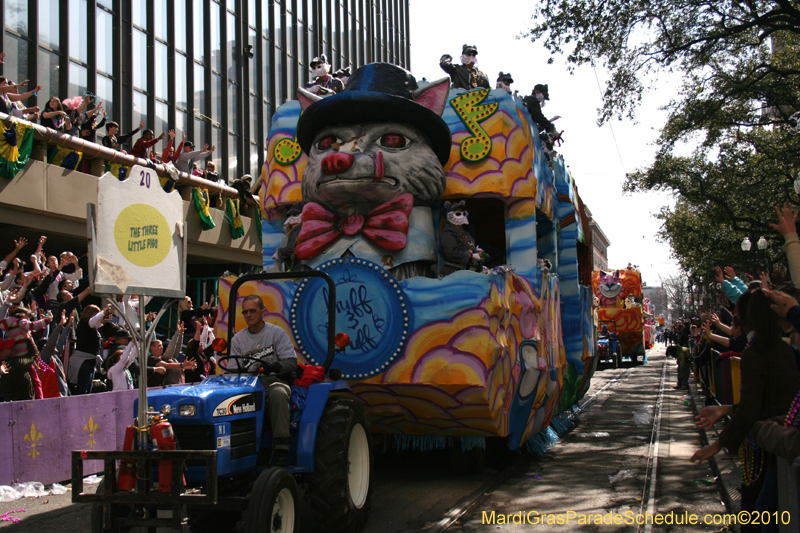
(600, 90)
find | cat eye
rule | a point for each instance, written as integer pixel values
(327, 142)
(394, 140)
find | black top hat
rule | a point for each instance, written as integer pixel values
(378, 92)
(468, 48)
(342, 73)
(322, 58)
(542, 89)
(505, 76)
(295, 210)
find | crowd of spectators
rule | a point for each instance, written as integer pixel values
(58, 339)
(757, 322)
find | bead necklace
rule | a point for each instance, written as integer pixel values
(751, 455)
(792, 420)
(752, 458)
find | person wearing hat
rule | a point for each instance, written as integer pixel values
(285, 254)
(535, 102)
(343, 74)
(189, 155)
(504, 81)
(375, 157)
(244, 186)
(456, 245)
(323, 83)
(466, 75)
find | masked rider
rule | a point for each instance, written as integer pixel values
(457, 246)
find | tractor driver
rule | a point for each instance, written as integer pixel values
(272, 347)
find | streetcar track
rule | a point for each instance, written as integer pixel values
(459, 510)
(651, 470)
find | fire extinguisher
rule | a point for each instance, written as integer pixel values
(164, 438)
(127, 469)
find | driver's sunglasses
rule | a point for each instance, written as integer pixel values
(250, 311)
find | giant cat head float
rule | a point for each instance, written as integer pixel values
(374, 152)
(609, 288)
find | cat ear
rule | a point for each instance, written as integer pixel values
(306, 98)
(434, 95)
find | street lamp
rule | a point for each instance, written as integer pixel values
(746, 244)
(762, 244)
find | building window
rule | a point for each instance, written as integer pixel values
(140, 112)
(78, 79)
(48, 24)
(140, 59)
(48, 74)
(103, 52)
(77, 39)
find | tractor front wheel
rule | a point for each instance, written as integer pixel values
(273, 503)
(340, 489)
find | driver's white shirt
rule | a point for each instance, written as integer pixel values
(271, 344)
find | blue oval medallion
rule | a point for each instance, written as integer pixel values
(371, 308)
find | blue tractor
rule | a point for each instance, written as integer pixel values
(219, 471)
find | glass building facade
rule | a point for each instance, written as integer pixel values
(215, 69)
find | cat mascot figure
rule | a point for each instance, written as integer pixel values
(609, 288)
(375, 157)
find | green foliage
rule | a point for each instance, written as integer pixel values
(741, 67)
(711, 41)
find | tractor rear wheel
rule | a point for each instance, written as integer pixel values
(340, 489)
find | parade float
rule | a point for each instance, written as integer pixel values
(497, 348)
(619, 301)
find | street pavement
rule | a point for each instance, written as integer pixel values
(415, 491)
(612, 436)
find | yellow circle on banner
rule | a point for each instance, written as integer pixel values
(143, 235)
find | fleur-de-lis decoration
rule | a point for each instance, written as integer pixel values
(33, 438)
(91, 428)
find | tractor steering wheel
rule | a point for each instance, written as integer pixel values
(239, 369)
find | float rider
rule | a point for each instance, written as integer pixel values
(466, 75)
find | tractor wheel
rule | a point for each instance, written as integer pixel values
(340, 489)
(273, 503)
(117, 510)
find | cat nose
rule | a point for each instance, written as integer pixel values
(337, 162)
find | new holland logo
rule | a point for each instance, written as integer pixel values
(237, 405)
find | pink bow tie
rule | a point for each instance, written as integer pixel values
(386, 226)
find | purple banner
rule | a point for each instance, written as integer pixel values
(6, 445)
(45, 432)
